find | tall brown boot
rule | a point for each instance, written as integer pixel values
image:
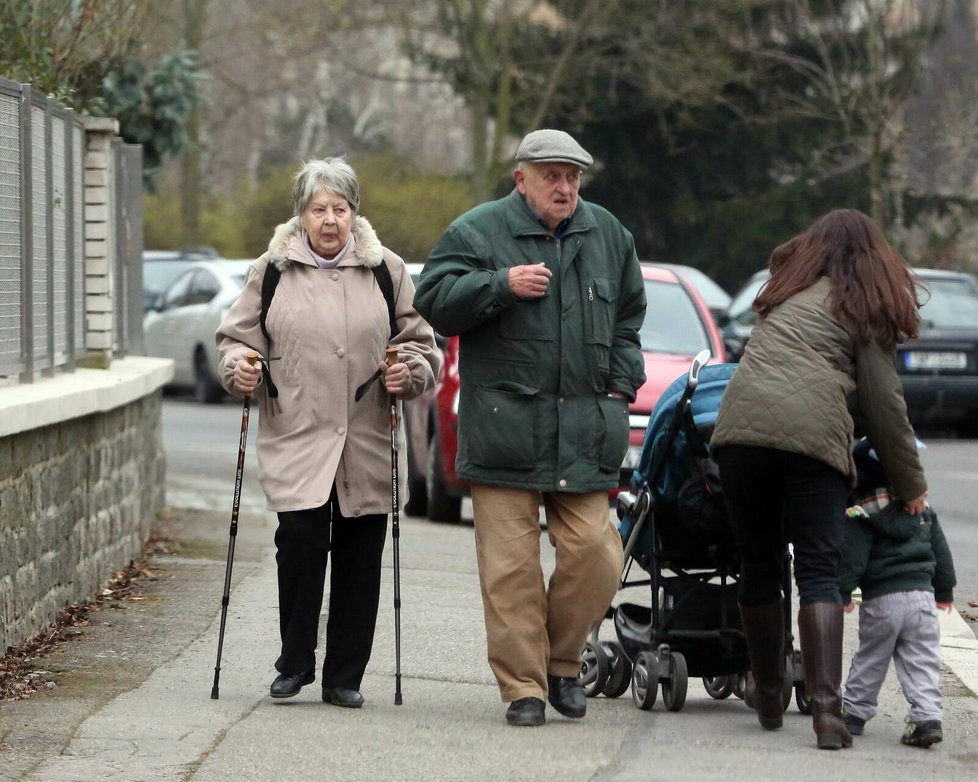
(764, 632)
(820, 627)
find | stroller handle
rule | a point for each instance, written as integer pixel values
(701, 360)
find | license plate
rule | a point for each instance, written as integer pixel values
(935, 360)
(632, 457)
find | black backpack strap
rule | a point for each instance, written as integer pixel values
(268, 284)
(383, 275)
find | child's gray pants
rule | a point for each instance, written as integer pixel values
(901, 625)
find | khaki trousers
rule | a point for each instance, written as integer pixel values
(531, 629)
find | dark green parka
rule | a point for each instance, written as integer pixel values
(534, 410)
(892, 551)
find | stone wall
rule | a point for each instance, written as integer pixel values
(77, 499)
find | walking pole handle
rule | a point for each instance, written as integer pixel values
(391, 356)
(252, 357)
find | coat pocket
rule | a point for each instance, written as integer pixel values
(503, 431)
(614, 413)
(601, 303)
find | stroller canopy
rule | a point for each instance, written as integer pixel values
(705, 406)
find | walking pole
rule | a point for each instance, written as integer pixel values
(396, 536)
(252, 357)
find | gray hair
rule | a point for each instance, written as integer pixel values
(334, 175)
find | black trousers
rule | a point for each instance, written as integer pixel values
(774, 496)
(303, 541)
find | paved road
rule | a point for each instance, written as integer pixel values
(131, 697)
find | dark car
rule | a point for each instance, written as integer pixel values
(939, 369)
(737, 322)
(678, 325)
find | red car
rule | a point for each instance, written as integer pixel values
(678, 325)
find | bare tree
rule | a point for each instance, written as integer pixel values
(859, 66)
(66, 47)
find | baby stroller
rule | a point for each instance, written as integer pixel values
(674, 526)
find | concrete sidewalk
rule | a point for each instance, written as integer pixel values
(161, 724)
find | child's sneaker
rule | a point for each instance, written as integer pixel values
(854, 724)
(922, 734)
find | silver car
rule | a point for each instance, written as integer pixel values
(181, 323)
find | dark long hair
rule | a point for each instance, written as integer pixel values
(873, 290)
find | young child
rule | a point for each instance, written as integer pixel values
(903, 565)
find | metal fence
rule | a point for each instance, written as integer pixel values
(42, 236)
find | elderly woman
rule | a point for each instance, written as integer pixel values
(324, 457)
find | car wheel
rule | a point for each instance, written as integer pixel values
(441, 505)
(206, 388)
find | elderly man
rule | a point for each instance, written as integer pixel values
(546, 293)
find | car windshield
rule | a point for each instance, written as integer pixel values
(158, 274)
(950, 304)
(672, 322)
(712, 294)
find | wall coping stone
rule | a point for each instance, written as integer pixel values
(83, 392)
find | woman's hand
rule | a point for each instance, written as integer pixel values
(397, 378)
(916, 506)
(245, 377)
(945, 607)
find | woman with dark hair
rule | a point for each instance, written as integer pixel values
(838, 301)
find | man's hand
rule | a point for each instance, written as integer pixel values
(529, 281)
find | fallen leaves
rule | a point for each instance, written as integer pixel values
(18, 677)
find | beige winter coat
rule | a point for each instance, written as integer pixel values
(328, 331)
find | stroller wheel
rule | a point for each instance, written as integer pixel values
(621, 670)
(675, 686)
(718, 687)
(739, 681)
(801, 700)
(789, 683)
(645, 680)
(595, 666)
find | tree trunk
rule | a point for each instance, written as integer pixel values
(194, 17)
(877, 207)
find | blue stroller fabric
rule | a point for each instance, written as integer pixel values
(705, 406)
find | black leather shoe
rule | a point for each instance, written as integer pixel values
(855, 724)
(340, 696)
(286, 685)
(526, 711)
(567, 696)
(922, 734)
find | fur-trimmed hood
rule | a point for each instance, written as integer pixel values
(286, 245)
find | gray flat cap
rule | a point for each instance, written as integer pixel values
(553, 146)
